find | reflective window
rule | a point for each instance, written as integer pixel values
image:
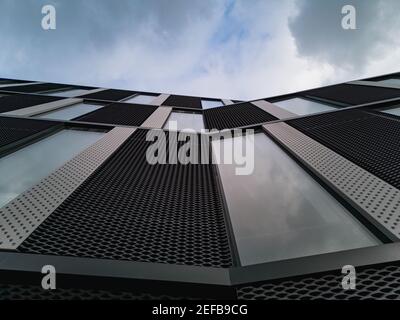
(392, 81)
(180, 121)
(70, 112)
(395, 110)
(280, 212)
(208, 104)
(67, 93)
(27, 166)
(302, 106)
(141, 98)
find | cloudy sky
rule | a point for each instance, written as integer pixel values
(243, 49)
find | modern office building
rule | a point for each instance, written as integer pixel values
(77, 193)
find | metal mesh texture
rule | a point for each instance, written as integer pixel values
(132, 210)
(33, 88)
(14, 102)
(234, 116)
(12, 129)
(376, 282)
(120, 114)
(369, 140)
(109, 94)
(183, 101)
(354, 94)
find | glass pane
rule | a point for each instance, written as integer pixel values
(392, 81)
(185, 121)
(67, 93)
(70, 112)
(208, 104)
(395, 110)
(303, 106)
(141, 98)
(27, 166)
(280, 212)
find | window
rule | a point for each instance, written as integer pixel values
(180, 121)
(302, 106)
(70, 112)
(67, 93)
(141, 98)
(391, 81)
(208, 104)
(27, 166)
(280, 212)
(395, 110)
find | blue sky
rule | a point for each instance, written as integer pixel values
(223, 48)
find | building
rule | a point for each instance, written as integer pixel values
(77, 193)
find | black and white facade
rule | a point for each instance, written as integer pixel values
(77, 193)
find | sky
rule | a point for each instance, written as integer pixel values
(245, 49)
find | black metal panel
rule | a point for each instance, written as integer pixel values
(353, 94)
(33, 88)
(377, 282)
(18, 101)
(109, 94)
(233, 116)
(369, 140)
(131, 210)
(120, 114)
(12, 129)
(183, 101)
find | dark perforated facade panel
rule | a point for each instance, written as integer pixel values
(354, 94)
(12, 130)
(131, 210)
(120, 114)
(183, 101)
(377, 282)
(370, 141)
(14, 102)
(235, 116)
(109, 94)
(34, 88)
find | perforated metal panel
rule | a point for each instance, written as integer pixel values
(33, 88)
(20, 217)
(369, 140)
(234, 116)
(132, 210)
(183, 101)
(353, 94)
(12, 129)
(14, 102)
(377, 282)
(109, 94)
(120, 114)
(378, 199)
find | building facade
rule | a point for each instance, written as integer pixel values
(78, 193)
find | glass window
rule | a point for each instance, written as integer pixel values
(141, 98)
(392, 81)
(67, 93)
(208, 104)
(70, 112)
(280, 212)
(302, 106)
(394, 110)
(181, 121)
(25, 167)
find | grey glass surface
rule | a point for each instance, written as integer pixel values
(302, 106)
(67, 93)
(70, 112)
(27, 166)
(395, 110)
(392, 81)
(185, 121)
(141, 98)
(208, 104)
(280, 212)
